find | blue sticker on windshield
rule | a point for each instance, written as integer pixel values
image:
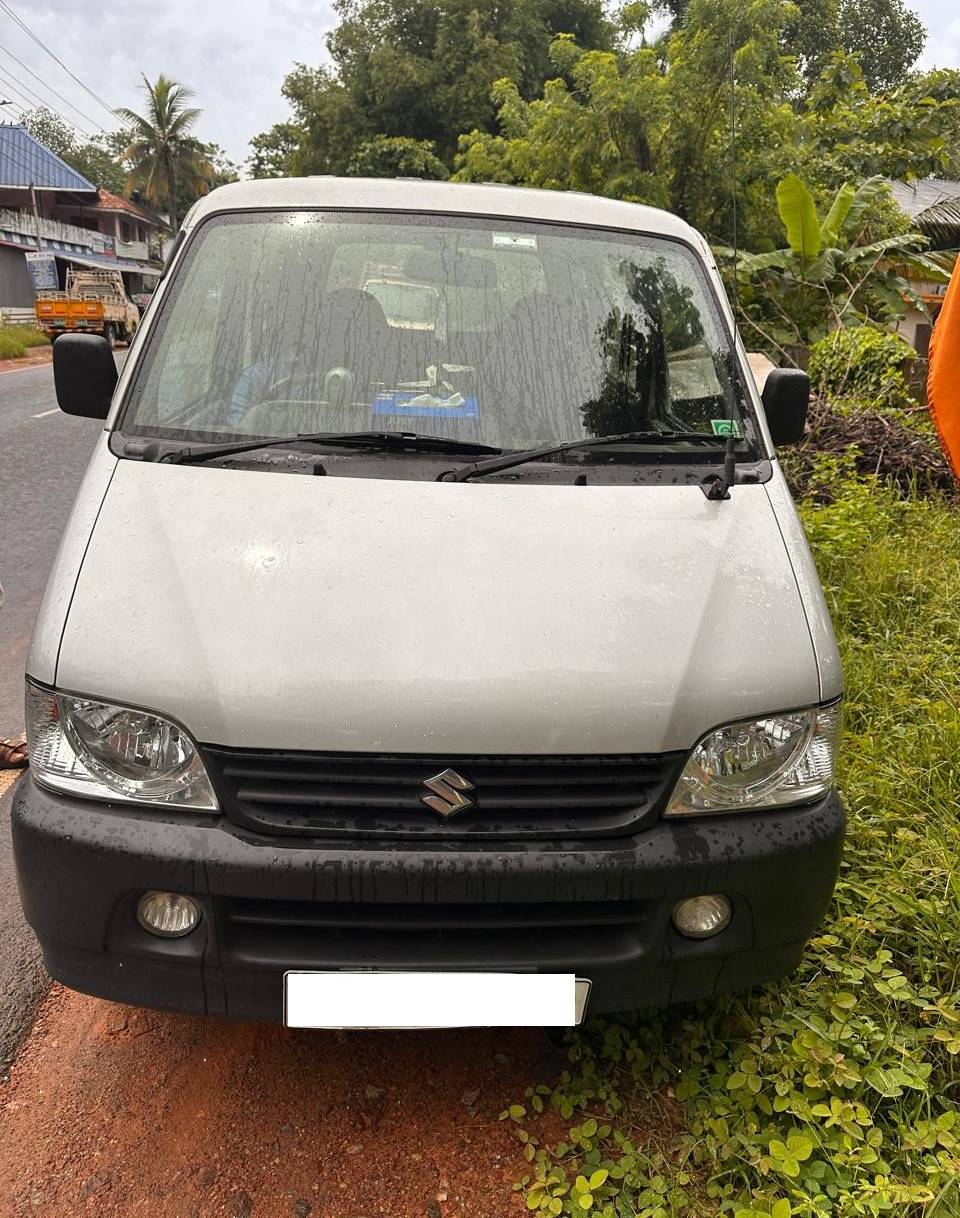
(414, 405)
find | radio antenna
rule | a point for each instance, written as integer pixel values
(733, 168)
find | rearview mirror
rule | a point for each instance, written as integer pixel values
(786, 395)
(84, 374)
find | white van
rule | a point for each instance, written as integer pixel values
(434, 640)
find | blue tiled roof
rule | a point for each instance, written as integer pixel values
(25, 162)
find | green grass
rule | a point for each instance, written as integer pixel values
(15, 340)
(837, 1092)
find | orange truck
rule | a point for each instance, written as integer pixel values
(94, 302)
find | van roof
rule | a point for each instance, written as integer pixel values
(419, 195)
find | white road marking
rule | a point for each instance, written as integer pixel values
(43, 413)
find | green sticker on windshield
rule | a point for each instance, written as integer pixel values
(726, 427)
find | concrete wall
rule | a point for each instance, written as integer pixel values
(16, 286)
(760, 366)
(915, 328)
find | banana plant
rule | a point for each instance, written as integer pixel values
(830, 273)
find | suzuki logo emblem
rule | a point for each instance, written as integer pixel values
(449, 793)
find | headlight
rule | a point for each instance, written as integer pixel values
(760, 763)
(96, 749)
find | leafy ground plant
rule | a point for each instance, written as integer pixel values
(835, 1094)
(862, 362)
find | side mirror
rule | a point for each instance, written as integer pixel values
(786, 395)
(84, 374)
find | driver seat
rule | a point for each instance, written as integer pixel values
(351, 331)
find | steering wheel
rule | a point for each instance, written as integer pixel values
(318, 387)
(271, 393)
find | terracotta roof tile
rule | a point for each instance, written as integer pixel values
(107, 201)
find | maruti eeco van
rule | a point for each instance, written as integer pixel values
(434, 640)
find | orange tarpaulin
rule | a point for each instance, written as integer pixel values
(943, 378)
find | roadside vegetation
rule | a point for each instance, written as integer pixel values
(15, 341)
(847, 267)
(864, 411)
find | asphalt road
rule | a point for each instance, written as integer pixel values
(43, 454)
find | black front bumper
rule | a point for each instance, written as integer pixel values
(600, 909)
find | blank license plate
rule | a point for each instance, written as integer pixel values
(433, 1000)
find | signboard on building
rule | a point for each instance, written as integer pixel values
(43, 271)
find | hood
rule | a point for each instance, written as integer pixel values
(269, 610)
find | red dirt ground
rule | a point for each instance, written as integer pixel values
(114, 1111)
(36, 355)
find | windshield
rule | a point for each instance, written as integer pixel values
(509, 334)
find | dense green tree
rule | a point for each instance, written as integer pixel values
(274, 152)
(653, 124)
(886, 36)
(601, 134)
(217, 170)
(418, 70)
(396, 156)
(326, 127)
(910, 131)
(728, 51)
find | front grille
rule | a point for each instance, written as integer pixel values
(305, 934)
(376, 795)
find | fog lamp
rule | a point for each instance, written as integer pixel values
(168, 914)
(701, 917)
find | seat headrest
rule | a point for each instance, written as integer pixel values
(352, 305)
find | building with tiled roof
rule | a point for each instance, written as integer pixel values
(933, 204)
(112, 202)
(52, 217)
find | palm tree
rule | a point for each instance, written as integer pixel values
(162, 153)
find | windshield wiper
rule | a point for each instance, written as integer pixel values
(347, 439)
(492, 465)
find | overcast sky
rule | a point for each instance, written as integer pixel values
(234, 53)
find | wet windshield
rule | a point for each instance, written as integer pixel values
(508, 334)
